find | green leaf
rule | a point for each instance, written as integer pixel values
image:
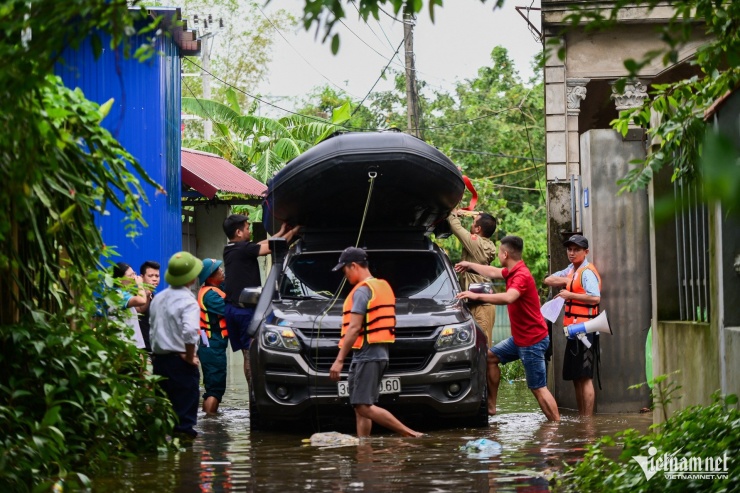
(105, 109)
(335, 44)
(342, 113)
(731, 399)
(97, 45)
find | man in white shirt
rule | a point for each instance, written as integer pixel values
(174, 316)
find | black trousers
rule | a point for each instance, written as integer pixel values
(181, 386)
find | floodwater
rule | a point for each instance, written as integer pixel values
(228, 457)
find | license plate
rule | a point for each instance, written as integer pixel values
(391, 385)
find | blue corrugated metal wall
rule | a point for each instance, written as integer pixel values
(145, 118)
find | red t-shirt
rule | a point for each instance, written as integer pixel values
(527, 323)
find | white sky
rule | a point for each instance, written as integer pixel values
(452, 49)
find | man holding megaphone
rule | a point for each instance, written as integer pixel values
(581, 291)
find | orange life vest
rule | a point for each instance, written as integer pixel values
(380, 320)
(577, 311)
(205, 322)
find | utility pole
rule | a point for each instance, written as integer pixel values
(412, 99)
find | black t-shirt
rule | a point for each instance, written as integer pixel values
(242, 269)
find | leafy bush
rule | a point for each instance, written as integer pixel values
(512, 371)
(75, 396)
(698, 431)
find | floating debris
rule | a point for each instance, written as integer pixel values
(482, 448)
(332, 439)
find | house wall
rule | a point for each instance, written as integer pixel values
(703, 351)
(145, 118)
(689, 357)
(209, 231)
(727, 122)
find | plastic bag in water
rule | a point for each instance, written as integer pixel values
(481, 448)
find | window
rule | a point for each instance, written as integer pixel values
(411, 275)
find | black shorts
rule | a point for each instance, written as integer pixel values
(580, 362)
(364, 381)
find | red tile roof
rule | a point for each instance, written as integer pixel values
(208, 174)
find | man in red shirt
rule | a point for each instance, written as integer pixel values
(528, 329)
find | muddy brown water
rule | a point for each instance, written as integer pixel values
(228, 457)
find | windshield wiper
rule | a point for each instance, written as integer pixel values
(300, 297)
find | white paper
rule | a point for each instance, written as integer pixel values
(551, 309)
(204, 338)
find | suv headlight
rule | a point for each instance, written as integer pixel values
(280, 338)
(455, 336)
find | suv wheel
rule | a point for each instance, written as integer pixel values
(256, 420)
(481, 418)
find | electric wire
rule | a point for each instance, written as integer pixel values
(382, 73)
(531, 152)
(344, 126)
(495, 154)
(300, 55)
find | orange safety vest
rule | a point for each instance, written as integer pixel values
(205, 322)
(577, 311)
(380, 319)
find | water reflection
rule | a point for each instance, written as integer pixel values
(228, 457)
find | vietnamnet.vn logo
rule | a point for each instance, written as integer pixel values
(685, 467)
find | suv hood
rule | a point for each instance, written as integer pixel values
(409, 313)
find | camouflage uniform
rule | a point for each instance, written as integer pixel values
(478, 250)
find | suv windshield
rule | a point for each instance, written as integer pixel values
(412, 274)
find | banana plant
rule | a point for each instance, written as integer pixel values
(259, 145)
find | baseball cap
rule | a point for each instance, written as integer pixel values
(577, 240)
(349, 255)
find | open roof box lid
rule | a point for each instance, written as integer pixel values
(326, 188)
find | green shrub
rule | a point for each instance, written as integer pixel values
(698, 431)
(512, 371)
(73, 399)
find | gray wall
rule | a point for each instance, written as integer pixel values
(617, 227)
(209, 220)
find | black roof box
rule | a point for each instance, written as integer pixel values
(415, 185)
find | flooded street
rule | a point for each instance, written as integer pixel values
(228, 457)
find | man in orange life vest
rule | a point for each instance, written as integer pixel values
(582, 294)
(212, 328)
(368, 327)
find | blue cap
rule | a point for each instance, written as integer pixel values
(210, 265)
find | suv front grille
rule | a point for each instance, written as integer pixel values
(396, 364)
(334, 333)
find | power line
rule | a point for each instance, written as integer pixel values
(347, 127)
(309, 117)
(495, 154)
(300, 55)
(363, 41)
(391, 15)
(531, 152)
(380, 77)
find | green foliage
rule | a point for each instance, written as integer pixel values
(698, 431)
(71, 400)
(240, 51)
(493, 128)
(512, 371)
(682, 105)
(259, 145)
(663, 392)
(73, 395)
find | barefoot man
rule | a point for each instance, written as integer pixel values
(529, 332)
(368, 328)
